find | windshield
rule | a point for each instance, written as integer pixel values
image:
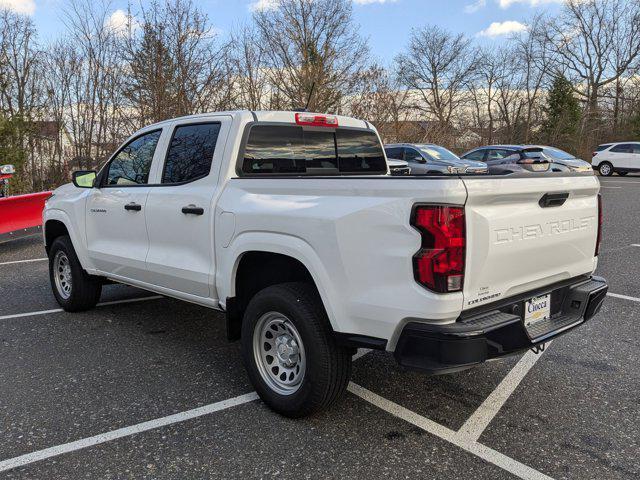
(435, 152)
(557, 153)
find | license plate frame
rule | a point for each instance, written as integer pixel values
(536, 310)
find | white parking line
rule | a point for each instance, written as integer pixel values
(635, 244)
(624, 297)
(481, 418)
(36, 456)
(24, 261)
(617, 188)
(28, 458)
(466, 438)
(488, 454)
(360, 353)
(58, 310)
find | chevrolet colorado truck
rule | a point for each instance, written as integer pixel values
(291, 225)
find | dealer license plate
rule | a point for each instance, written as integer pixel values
(537, 310)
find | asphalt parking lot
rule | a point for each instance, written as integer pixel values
(148, 387)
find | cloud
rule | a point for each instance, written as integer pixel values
(24, 7)
(475, 6)
(498, 29)
(260, 5)
(504, 4)
(120, 22)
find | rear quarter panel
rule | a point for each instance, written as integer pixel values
(352, 234)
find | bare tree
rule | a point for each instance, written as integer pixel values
(312, 42)
(484, 91)
(20, 91)
(532, 54)
(176, 66)
(595, 42)
(382, 101)
(438, 65)
(19, 58)
(249, 70)
(95, 67)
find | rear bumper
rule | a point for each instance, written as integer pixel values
(497, 330)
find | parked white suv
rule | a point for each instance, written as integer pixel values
(290, 224)
(620, 157)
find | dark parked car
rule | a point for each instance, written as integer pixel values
(514, 158)
(426, 159)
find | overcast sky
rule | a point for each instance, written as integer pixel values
(386, 23)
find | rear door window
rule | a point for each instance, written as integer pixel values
(190, 152)
(478, 155)
(497, 154)
(293, 150)
(622, 148)
(412, 155)
(394, 152)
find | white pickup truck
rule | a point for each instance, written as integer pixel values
(290, 224)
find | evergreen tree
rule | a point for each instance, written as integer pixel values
(562, 114)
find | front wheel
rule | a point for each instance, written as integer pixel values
(74, 289)
(605, 169)
(289, 351)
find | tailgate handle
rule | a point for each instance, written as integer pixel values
(553, 200)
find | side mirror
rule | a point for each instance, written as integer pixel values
(7, 170)
(84, 178)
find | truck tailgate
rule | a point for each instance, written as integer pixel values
(522, 235)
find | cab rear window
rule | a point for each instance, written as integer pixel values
(294, 150)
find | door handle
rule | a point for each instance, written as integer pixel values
(192, 210)
(133, 206)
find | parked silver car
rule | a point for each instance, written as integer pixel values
(426, 159)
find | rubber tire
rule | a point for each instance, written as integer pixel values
(328, 366)
(85, 290)
(600, 169)
(622, 174)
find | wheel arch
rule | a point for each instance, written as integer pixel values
(52, 230)
(255, 264)
(56, 223)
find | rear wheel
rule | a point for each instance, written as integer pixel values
(74, 289)
(605, 169)
(289, 351)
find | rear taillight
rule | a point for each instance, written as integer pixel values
(593, 154)
(439, 265)
(599, 237)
